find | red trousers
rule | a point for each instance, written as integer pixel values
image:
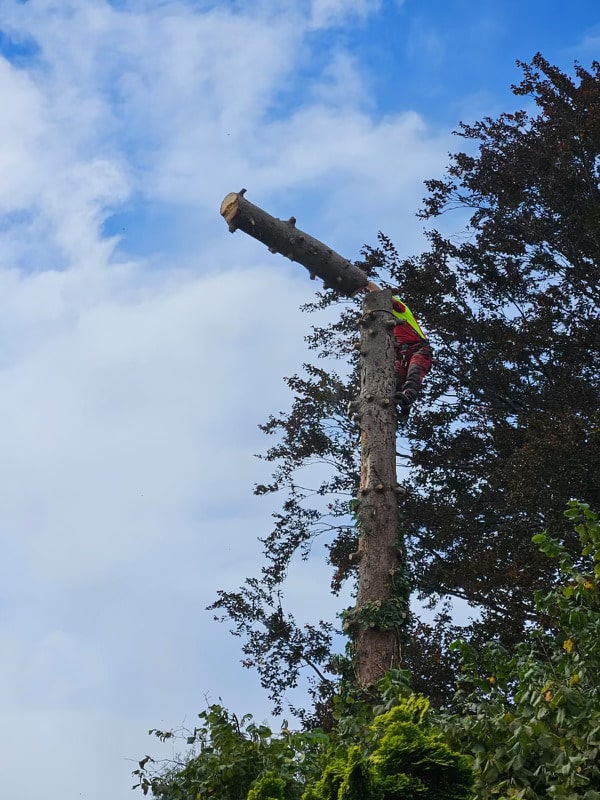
(413, 362)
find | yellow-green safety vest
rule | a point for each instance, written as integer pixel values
(407, 316)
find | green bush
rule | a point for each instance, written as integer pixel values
(391, 752)
(532, 720)
(268, 787)
(234, 759)
(400, 757)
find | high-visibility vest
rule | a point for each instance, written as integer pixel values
(407, 316)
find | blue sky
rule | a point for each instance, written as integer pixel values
(141, 344)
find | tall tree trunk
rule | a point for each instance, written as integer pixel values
(380, 610)
(377, 615)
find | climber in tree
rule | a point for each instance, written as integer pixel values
(413, 356)
(413, 353)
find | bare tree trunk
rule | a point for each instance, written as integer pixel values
(375, 621)
(376, 618)
(283, 237)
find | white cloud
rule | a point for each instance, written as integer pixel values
(130, 389)
(325, 13)
(114, 423)
(74, 753)
(22, 132)
(205, 97)
(584, 51)
(342, 83)
(57, 194)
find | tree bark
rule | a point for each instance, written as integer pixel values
(283, 237)
(374, 623)
(376, 645)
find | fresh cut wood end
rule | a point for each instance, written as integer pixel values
(229, 206)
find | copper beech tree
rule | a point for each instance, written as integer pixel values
(381, 609)
(508, 427)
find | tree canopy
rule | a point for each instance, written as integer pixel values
(508, 427)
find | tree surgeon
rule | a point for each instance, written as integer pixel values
(413, 353)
